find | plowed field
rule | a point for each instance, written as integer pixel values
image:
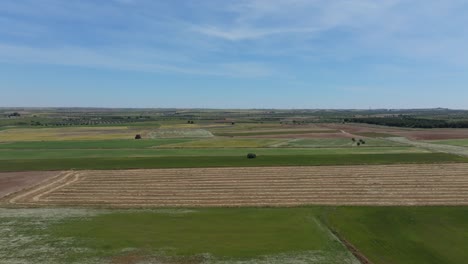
(441, 184)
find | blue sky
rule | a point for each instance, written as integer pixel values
(234, 54)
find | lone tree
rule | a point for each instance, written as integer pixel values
(251, 156)
(353, 139)
(15, 114)
(138, 136)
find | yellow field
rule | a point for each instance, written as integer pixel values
(226, 143)
(68, 133)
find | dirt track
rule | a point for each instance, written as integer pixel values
(11, 182)
(441, 184)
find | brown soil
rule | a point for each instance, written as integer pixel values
(416, 134)
(437, 184)
(435, 134)
(11, 182)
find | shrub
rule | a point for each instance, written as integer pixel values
(251, 156)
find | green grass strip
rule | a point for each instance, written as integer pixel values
(223, 161)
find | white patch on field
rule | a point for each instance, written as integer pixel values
(20, 241)
(307, 257)
(180, 133)
(159, 211)
(52, 213)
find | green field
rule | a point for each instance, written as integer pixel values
(175, 235)
(11, 154)
(405, 235)
(453, 142)
(339, 142)
(223, 161)
(229, 235)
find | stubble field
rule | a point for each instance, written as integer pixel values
(441, 184)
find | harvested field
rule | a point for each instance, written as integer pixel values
(11, 182)
(441, 184)
(416, 134)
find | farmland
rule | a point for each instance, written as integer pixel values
(320, 190)
(223, 235)
(453, 142)
(59, 134)
(294, 186)
(405, 234)
(225, 161)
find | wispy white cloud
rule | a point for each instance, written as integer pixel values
(247, 33)
(243, 38)
(260, 18)
(121, 60)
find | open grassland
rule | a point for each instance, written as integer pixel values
(441, 184)
(224, 161)
(405, 235)
(227, 236)
(68, 133)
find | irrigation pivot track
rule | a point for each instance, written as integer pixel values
(435, 184)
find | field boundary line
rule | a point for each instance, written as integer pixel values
(76, 177)
(19, 195)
